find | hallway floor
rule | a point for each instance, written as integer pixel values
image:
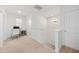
(66, 49)
(28, 45)
(24, 45)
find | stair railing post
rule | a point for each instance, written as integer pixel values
(56, 41)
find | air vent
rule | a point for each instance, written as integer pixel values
(37, 7)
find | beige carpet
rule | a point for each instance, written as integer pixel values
(66, 49)
(24, 45)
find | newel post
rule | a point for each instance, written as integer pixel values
(57, 41)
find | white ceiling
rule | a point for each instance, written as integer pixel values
(15, 8)
(47, 10)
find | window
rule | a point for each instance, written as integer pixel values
(18, 22)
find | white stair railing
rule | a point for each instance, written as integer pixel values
(58, 40)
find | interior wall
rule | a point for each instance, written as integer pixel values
(1, 27)
(70, 23)
(37, 27)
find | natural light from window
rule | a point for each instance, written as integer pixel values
(18, 22)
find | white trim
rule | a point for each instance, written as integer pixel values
(3, 18)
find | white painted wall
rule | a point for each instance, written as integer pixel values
(1, 27)
(70, 23)
(37, 27)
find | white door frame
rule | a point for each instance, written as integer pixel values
(2, 26)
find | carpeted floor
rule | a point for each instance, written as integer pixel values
(24, 45)
(66, 49)
(28, 45)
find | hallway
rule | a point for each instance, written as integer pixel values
(51, 25)
(26, 44)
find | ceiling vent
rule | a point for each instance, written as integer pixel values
(37, 7)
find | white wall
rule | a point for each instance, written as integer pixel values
(37, 27)
(70, 23)
(1, 27)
